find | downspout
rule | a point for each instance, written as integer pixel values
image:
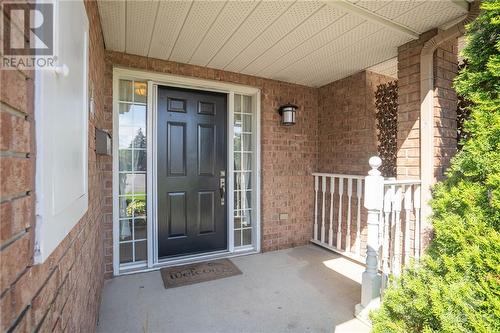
(427, 106)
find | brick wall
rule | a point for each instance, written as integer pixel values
(64, 292)
(285, 189)
(445, 70)
(347, 123)
(348, 137)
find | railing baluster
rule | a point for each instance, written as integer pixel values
(323, 188)
(339, 227)
(358, 217)
(348, 230)
(416, 204)
(389, 193)
(396, 263)
(392, 229)
(381, 235)
(315, 208)
(330, 229)
(407, 206)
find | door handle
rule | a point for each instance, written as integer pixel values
(222, 190)
(222, 186)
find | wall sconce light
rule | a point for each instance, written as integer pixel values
(287, 113)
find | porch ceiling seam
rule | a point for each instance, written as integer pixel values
(374, 17)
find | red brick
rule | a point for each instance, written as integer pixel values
(43, 300)
(14, 133)
(13, 259)
(16, 175)
(24, 323)
(16, 89)
(15, 216)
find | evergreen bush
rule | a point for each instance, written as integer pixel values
(456, 285)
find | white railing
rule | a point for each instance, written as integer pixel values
(338, 213)
(393, 229)
(399, 228)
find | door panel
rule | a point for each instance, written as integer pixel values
(176, 149)
(177, 219)
(206, 150)
(191, 141)
(206, 210)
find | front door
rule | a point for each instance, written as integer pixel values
(191, 170)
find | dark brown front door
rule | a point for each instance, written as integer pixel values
(191, 136)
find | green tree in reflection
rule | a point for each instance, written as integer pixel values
(135, 202)
(139, 140)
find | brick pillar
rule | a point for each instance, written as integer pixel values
(444, 144)
(445, 107)
(408, 139)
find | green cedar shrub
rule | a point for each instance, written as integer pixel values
(456, 285)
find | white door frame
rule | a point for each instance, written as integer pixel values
(154, 80)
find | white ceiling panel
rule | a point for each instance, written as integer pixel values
(198, 22)
(370, 4)
(358, 56)
(283, 26)
(113, 24)
(263, 16)
(139, 26)
(387, 67)
(229, 20)
(397, 8)
(320, 21)
(171, 16)
(431, 14)
(307, 42)
(309, 65)
(341, 32)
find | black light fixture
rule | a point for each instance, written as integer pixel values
(287, 113)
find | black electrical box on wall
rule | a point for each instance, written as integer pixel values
(103, 144)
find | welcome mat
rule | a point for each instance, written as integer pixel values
(184, 275)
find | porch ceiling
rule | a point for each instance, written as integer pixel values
(305, 42)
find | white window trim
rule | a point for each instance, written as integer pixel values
(155, 79)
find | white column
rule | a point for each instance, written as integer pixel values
(370, 284)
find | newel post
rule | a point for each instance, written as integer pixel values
(373, 202)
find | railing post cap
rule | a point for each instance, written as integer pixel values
(375, 162)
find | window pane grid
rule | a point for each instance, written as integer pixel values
(243, 166)
(132, 170)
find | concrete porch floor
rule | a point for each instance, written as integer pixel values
(304, 289)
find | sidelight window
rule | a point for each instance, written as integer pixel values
(132, 168)
(244, 170)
